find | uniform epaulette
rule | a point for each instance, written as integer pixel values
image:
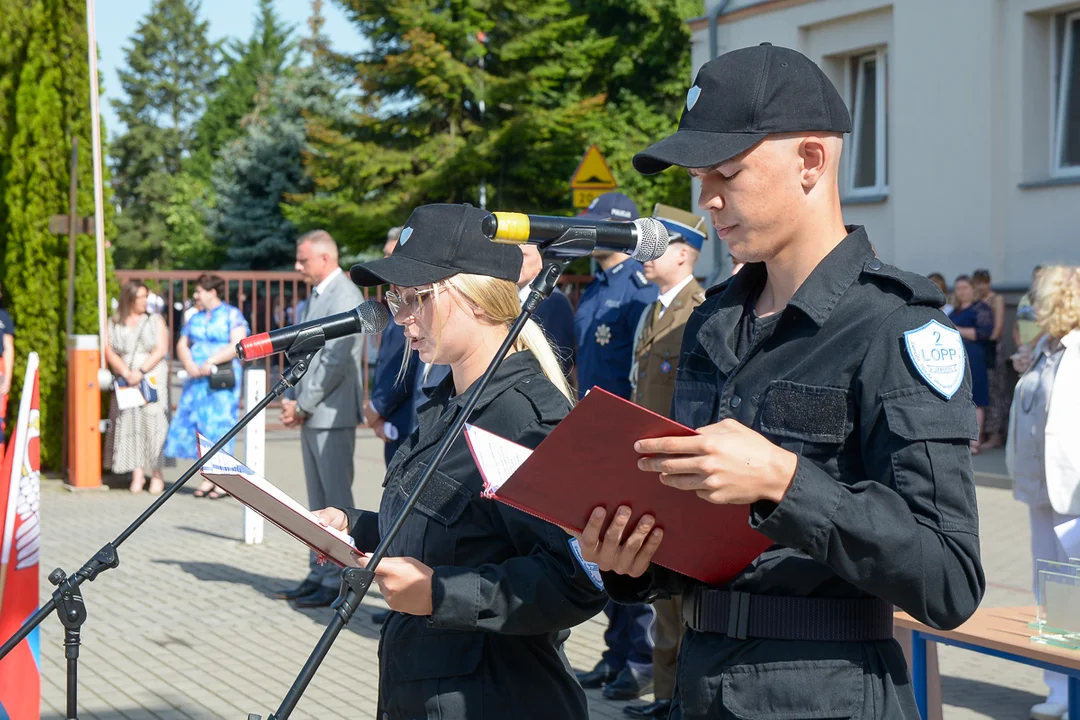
(916, 289)
(639, 279)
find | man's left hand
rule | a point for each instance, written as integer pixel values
(405, 584)
(727, 464)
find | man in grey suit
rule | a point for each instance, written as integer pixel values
(326, 404)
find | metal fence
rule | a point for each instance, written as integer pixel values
(268, 300)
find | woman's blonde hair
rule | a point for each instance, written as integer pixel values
(1057, 300)
(498, 301)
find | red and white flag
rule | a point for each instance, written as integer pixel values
(20, 543)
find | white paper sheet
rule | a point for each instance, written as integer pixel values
(129, 397)
(224, 465)
(496, 457)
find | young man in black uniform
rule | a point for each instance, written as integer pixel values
(833, 398)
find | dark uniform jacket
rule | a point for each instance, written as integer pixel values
(883, 500)
(656, 349)
(555, 316)
(607, 315)
(506, 585)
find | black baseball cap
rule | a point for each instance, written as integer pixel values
(742, 97)
(437, 242)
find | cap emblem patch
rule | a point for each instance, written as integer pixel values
(692, 96)
(405, 235)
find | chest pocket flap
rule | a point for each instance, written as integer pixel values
(443, 498)
(810, 413)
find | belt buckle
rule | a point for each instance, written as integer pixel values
(738, 615)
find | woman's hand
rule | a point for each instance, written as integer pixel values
(207, 368)
(192, 370)
(405, 584)
(1021, 359)
(332, 517)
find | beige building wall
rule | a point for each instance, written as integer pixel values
(968, 124)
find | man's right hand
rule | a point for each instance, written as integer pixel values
(332, 517)
(615, 550)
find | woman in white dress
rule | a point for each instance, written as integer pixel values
(138, 343)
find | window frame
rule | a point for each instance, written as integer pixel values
(855, 90)
(1060, 78)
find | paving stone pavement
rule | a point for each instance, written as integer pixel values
(187, 627)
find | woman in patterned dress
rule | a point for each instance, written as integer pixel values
(138, 343)
(208, 339)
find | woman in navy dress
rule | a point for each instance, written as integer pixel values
(975, 321)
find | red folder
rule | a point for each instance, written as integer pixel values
(589, 461)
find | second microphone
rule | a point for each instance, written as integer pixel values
(644, 239)
(368, 318)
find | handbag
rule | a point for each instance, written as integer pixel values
(222, 377)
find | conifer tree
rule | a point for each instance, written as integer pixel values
(266, 54)
(169, 74)
(508, 93)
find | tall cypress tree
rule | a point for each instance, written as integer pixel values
(68, 17)
(170, 72)
(44, 103)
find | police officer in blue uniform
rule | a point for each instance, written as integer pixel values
(610, 307)
(607, 316)
(832, 397)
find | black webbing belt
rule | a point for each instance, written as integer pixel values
(742, 615)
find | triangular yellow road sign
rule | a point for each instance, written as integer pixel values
(593, 173)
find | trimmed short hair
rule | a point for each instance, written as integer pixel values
(320, 238)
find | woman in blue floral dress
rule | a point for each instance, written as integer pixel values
(208, 339)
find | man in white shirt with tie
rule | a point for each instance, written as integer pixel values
(326, 404)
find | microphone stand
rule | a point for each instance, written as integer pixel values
(576, 242)
(67, 599)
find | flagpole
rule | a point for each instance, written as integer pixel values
(99, 202)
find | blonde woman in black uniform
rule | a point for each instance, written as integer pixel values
(482, 594)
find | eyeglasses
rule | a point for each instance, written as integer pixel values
(411, 302)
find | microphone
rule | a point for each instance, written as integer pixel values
(369, 318)
(644, 238)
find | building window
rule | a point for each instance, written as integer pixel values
(868, 97)
(1066, 115)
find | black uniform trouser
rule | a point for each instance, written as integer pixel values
(719, 677)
